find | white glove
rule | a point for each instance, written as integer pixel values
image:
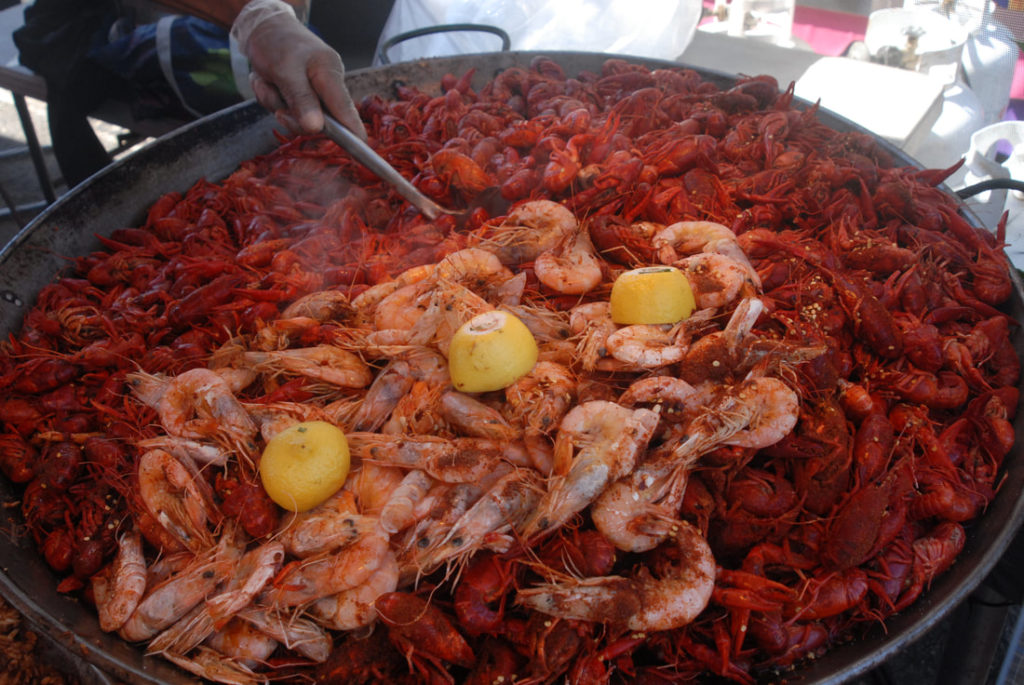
(293, 71)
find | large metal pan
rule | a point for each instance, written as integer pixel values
(211, 148)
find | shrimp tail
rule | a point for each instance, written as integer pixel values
(608, 599)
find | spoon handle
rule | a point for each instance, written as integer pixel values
(369, 158)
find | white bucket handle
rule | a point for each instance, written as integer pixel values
(983, 143)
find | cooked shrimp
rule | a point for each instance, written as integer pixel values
(542, 396)
(669, 394)
(672, 596)
(609, 437)
(372, 484)
(571, 267)
(647, 346)
(197, 404)
(637, 512)
(452, 304)
(394, 381)
(547, 325)
(501, 509)
(149, 388)
(168, 601)
(330, 526)
(281, 333)
(418, 411)
(688, 237)
(341, 411)
(742, 322)
(184, 448)
(592, 323)
(118, 588)
(561, 352)
(323, 305)
(237, 378)
(478, 269)
(528, 230)
(166, 565)
(387, 343)
(633, 523)
(509, 293)
(538, 401)
(756, 413)
(716, 280)
(355, 608)
(469, 416)
(448, 504)
(401, 309)
(210, 664)
(178, 498)
(328, 574)
(185, 634)
(326, 363)
(243, 643)
(401, 508)
(731, 248)
(253, 571)
(294, 632)
(775, 408)
(274, 417)
(366, 301)
(451, 460)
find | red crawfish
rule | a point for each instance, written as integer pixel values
(933, 554)
(423, 633)
(788, 641)
(595, 666)
(498, 662)
(481, 594)
(625, 243)
(585, 553)
(17, 458)
(248, 502)
(863, 523)
(830, 595)
(360, 659)
(872, 446)
(460, 172)
(40, 374)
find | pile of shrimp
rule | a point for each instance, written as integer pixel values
(721, 497)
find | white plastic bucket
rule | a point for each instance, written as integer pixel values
(950, 136)
(981, 165)
(989, 60)
(938, 41)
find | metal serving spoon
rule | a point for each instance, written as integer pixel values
(369, 158)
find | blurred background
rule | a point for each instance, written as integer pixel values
(940, 80)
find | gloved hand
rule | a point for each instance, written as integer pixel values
(293, 71)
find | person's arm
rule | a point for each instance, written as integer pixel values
(224, 12)
(294, 73)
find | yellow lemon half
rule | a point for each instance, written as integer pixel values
(490, 351)
(651, 294)
(305, 464)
